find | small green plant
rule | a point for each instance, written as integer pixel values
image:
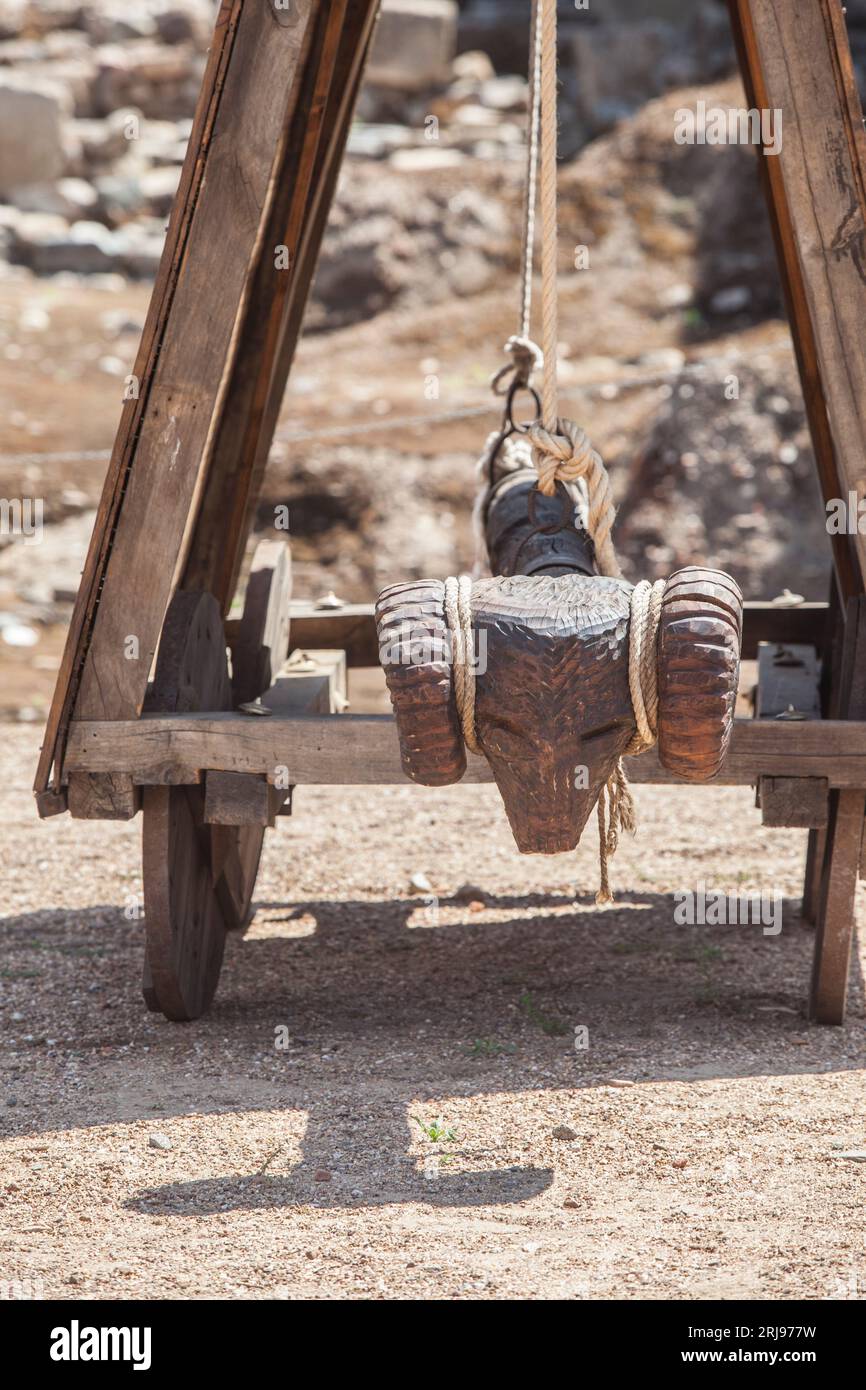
(436, 1131)
(553, 1027)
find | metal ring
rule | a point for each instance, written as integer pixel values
(522, 427)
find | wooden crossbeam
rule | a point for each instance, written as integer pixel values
(362, 750)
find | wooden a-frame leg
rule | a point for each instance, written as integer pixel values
(834, 918)
(812, 877)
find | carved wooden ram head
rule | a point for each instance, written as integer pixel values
(553, 710)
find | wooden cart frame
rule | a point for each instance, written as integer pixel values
(178, 502)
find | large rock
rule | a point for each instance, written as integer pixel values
(11, 17)
(414, 44)
(33, 140)
(620, 64)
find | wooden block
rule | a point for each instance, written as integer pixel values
(789, 678)
(797, 802)
(260, 639)
(51, 803)
(236, 798)
(310, 683)
(103, 796)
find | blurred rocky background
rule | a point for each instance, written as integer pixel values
(674, 352)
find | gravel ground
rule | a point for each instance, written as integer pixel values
(693, 1150)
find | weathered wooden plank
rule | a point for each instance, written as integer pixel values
(796, 802)
(259, 641)
(796, 59)
(310, 683)
(834, 915)
(306, 172)
(236, 798)
(788, 681)
(363, 749)
(103, 796)
(148, 353)
(197, 351)
(304, 686)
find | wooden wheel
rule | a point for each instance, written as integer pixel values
(186, 912)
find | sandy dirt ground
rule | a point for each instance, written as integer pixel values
(693, 1150)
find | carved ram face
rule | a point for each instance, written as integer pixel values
(553, 710)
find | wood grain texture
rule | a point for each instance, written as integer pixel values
(260, 640)
(216, 537)
(795, 802)
(698, 671)
(364, 750)
(196, 343)
(415, 648)
(843, 842)
(795, 58)
(552, 705)
(788, 681)
(347, 72)
(103, 796)
(78, 635)
(184, 922)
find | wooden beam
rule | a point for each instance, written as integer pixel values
(788, 681)
(353, 628)
(358, 750)
(795, 58)
(150, 347)
(305, 176)
(264, 85)
(836, 895)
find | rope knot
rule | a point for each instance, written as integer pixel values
(566, 455)
(526, 358)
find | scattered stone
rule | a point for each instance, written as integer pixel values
(420, 883)
(732, 300)
(159, 1141)
(469, 893)
(565, 1133)
(679, 1163)
(19, 635)
(572, 1203)
(424, 160)
(414, 44)
(473, 67)
(34, 142)
(321, 1175)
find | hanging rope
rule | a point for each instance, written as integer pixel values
(526, 356)
(458, 614)
(565, 456)
(549, 239)
(562, 453)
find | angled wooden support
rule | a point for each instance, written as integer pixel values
(834, 915)
(262, 161)
(796, 61)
